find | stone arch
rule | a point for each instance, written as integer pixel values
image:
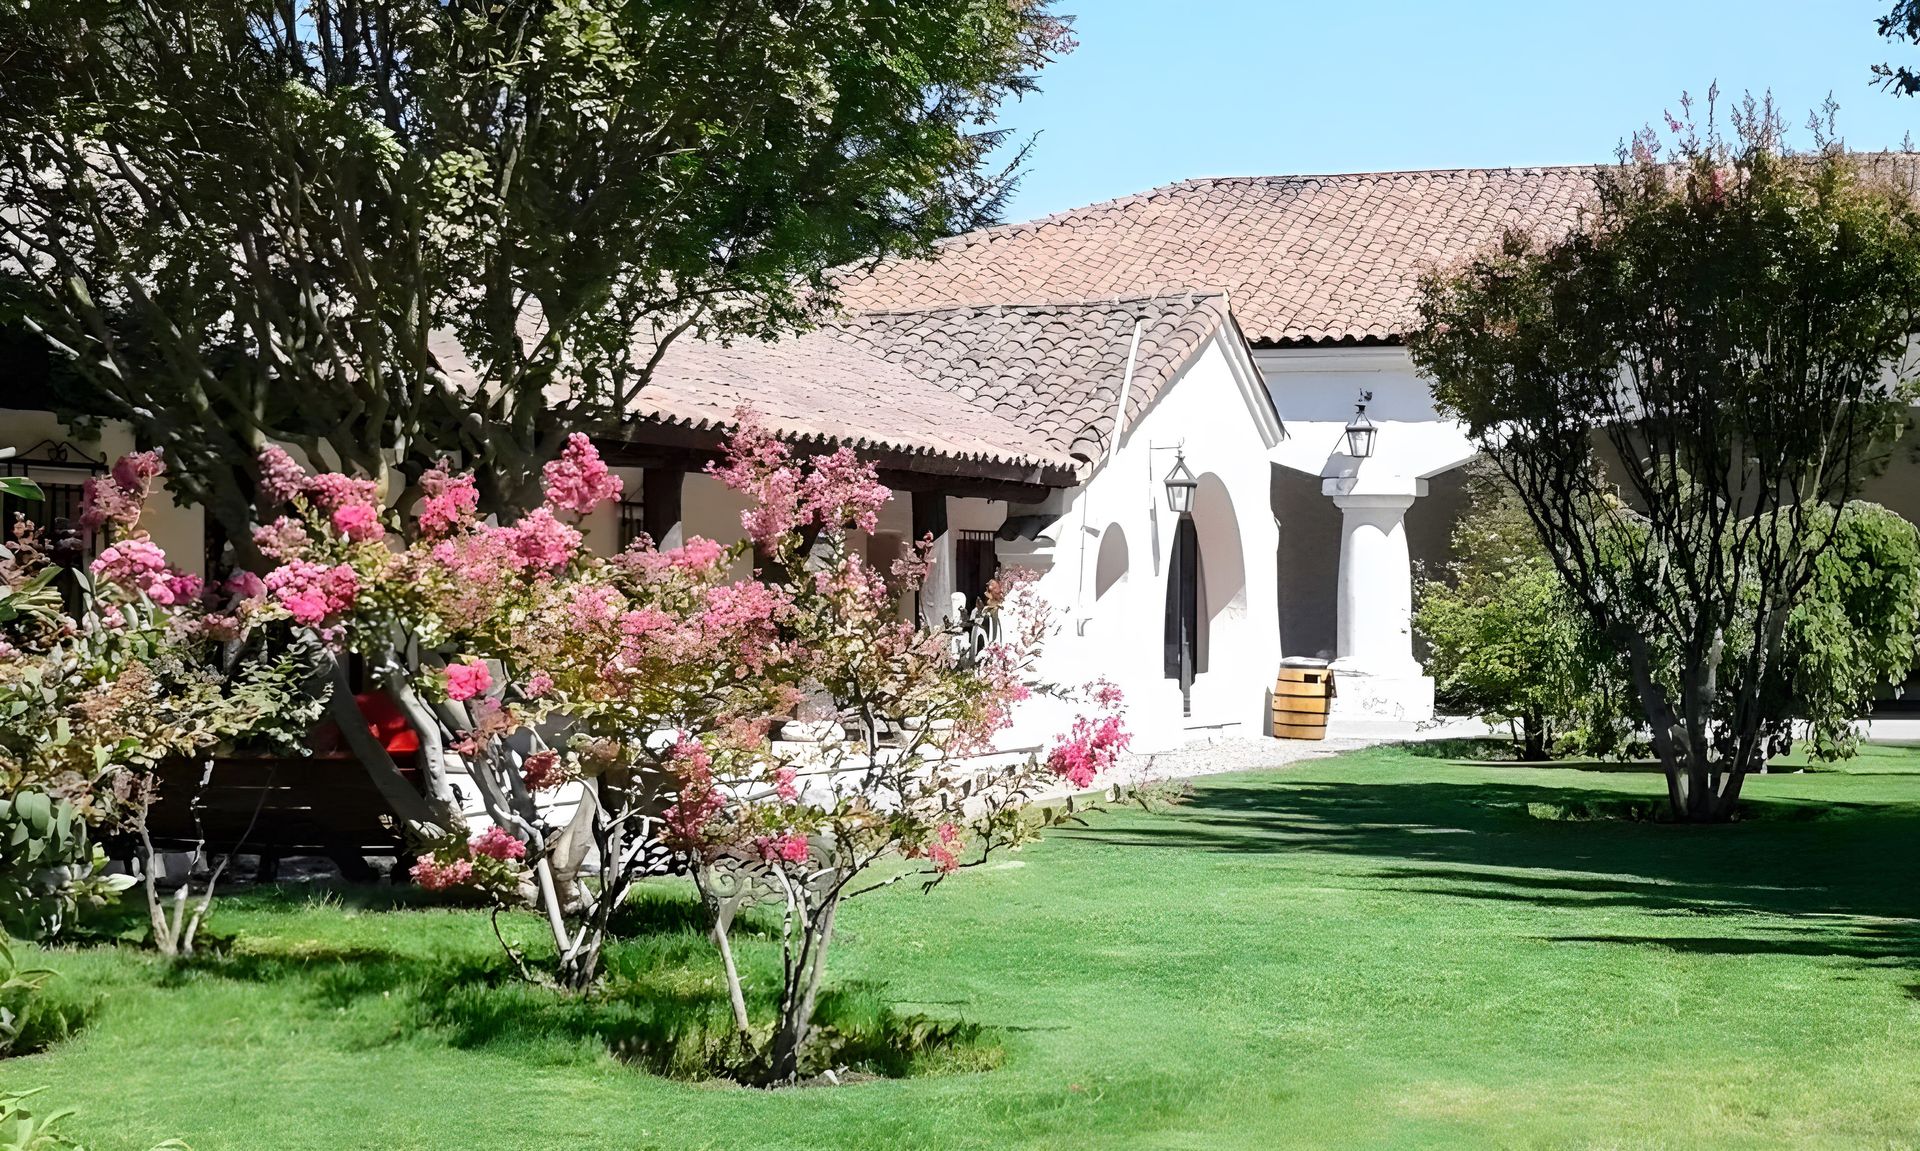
(1110, 567)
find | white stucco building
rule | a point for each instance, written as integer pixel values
(1026, 393)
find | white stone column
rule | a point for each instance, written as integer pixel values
(1376, 586)
(1376, 675)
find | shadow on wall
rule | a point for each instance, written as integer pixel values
(1308, 564)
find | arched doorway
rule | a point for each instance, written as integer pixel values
(1206, 591)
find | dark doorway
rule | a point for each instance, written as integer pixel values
(1183, 611)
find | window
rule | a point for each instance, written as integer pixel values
(61, 471)
(975, 564)
(633, 522)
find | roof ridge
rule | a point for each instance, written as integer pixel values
(1066, 215)
(1190, 295)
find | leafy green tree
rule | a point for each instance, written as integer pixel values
(1682, 390)
(1855, 627)
(388, 230)
(1505, 639)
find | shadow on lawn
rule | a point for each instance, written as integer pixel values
(662, 1006)
(1845, 884)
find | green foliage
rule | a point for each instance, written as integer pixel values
(1506, 640)
(23, 1130)
(1684, 389)
(1856, 626)
(47, 862)
(91, 702)
(387, 231)
(32, 1018)
(1368, 950)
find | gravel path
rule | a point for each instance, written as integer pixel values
(1236, 754)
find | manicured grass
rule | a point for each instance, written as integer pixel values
(1381, 950)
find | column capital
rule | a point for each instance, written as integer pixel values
(1373, 491)
(1372, 501)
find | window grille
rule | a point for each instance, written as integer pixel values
(61, 471)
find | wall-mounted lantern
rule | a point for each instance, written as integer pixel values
(1360, 429)
(1180, 484)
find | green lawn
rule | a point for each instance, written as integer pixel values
(1379, 950)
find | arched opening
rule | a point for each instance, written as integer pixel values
(1206, 589)
(1111, 566)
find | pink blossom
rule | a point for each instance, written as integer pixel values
(541, 543)
(699, 800)
(1091, 748)
(744, 616)
(497, 843)
(468, 679)
(281, 478)
(135, 471)
(759, 467)
(358, 522)
(788, 848)
(177, 588)
(1106, 693)
(542, 770)
(449, 501)
(246, 585)
(312, 592)
(591, 605)
(945, 849)
(284, 539)
(579, 480)
(104, 502)
(331, 490)
(645, 621)
(433, 875)
(538, 685)
(697, 554)
(136, 564)
(840, 490)
(785, 784)
(118, 499)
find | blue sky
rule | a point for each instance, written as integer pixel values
(1163, 90)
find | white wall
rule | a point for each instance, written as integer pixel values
(1113, 613)
(1315, 392)
(178, 531)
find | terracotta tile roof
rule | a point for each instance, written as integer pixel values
(1305, 258)
(816, 389)
(1055, 368)
(1031, 386)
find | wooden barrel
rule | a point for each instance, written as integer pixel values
(1301, 696)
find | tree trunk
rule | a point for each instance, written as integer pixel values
(796, 1008)
(1533, 739)
(408, 805)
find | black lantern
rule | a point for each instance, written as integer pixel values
(1360, 429)
(1180, 485)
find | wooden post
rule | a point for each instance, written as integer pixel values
(930, 519)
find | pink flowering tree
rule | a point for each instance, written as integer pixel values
(902, 771)
(531, 663)
(137, 663)
(654, 680)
